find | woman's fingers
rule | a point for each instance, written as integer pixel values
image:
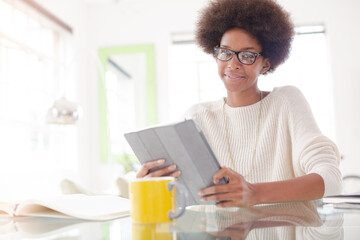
(165, 171)
(236, 193)
(225, 172)
(231, 196)
(227, 192)
(147, 166)
(162, 171)
(175, 174)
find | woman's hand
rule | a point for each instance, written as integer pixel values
(237, 193)
(165, 171)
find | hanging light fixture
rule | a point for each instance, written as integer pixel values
(63, 112)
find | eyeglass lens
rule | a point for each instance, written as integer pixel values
(243, 56)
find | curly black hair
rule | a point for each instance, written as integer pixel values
(266, 20)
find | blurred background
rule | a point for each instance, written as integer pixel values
(75, 75)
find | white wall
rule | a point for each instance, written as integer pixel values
(151, 22)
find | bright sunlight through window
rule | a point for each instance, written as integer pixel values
(34, 71)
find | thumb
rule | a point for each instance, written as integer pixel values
(224, 172)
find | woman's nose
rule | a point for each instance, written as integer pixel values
(234, 63)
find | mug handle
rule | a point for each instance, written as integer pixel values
(184, 196)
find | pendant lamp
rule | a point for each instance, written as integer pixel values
(63, 112)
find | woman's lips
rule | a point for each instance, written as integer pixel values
(234, 77)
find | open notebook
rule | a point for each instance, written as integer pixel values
(77, 206)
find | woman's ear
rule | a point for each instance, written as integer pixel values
(266, 66)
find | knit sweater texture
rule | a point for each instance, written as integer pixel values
(290, 143)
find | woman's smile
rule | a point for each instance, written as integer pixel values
(232, 77)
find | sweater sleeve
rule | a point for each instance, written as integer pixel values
(312, 152)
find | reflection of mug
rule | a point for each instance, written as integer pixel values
(153, 200)
(154, 231)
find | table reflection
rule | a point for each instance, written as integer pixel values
(299, 220)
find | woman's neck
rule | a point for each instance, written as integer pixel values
(243, 99)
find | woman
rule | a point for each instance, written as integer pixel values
(268, 142)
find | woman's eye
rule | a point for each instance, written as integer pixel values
(226, 53)
(248, 55)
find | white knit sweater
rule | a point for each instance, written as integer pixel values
(290, 143)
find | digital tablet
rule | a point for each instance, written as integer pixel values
(183, 144)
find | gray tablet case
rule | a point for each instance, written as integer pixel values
(184, 145)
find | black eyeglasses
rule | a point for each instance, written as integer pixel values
(245, 57)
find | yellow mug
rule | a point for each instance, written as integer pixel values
(153, 200)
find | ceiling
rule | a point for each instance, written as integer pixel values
(100, 1)
(103, 1)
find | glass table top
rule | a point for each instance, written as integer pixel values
(299, 220)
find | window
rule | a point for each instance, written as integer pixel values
(120, 95)
(35, 69)
(127, 102)
(194, 78)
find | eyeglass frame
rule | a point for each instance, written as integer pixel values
(216, 49)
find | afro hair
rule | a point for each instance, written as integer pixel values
(266, 20)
